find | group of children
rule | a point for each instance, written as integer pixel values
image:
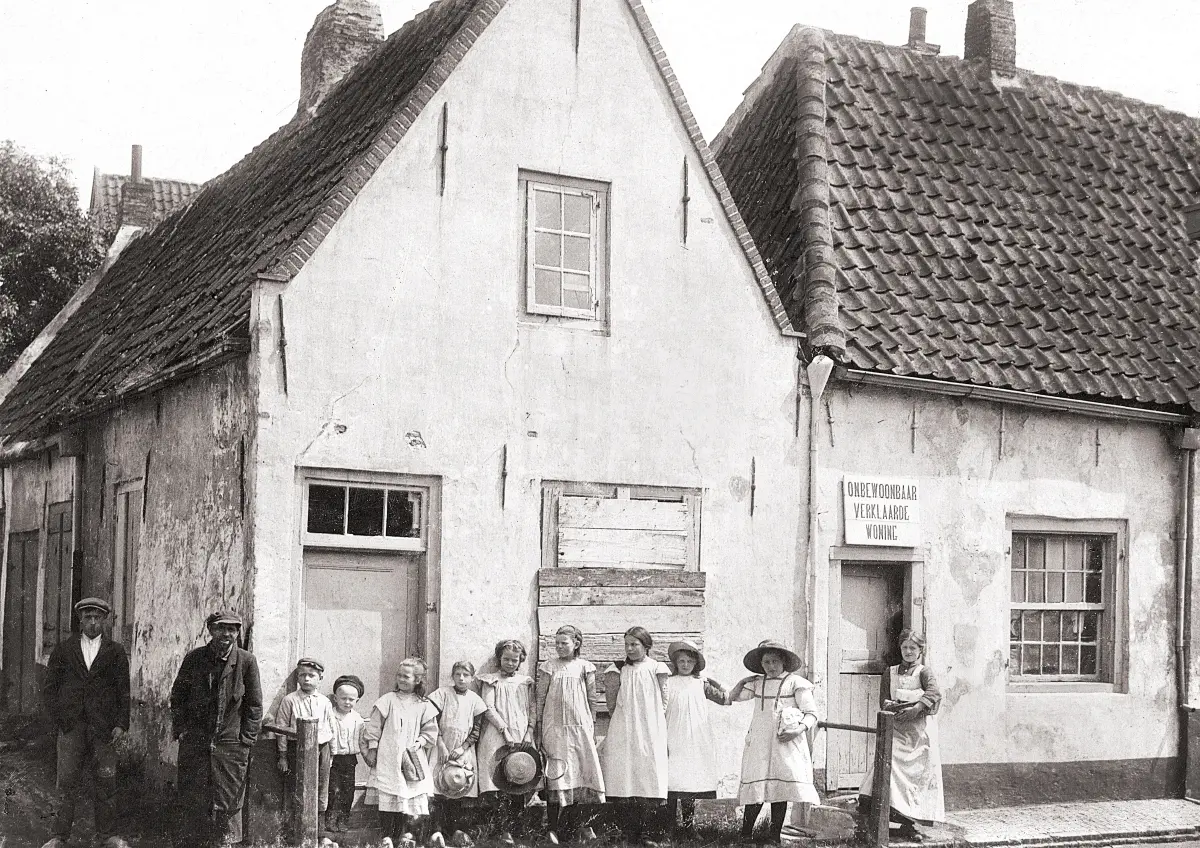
(521, 736)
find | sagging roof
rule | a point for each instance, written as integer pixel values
(178, 299)
(1025, 236)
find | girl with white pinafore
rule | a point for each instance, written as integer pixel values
(910, 691)
(691, 770)
(633, 755)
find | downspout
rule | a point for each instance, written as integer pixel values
(815, 278)
(1183, 572)
(818, 371)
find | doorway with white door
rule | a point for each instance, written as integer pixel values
(874, 593)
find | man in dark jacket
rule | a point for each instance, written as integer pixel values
(216, 712)
(86, 696)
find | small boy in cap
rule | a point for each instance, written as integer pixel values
(347, 689)
(307, 702)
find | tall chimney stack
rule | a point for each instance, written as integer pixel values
(992, 35)
(137, 196)
(341, 35)
(916, 33)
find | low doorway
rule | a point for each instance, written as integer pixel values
(874, 594)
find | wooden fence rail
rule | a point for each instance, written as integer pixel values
(881, 785)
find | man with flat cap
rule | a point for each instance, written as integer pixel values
(216, 712)
(86, 695)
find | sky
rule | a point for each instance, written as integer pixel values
(198, 84)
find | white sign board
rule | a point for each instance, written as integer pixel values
(882, 511)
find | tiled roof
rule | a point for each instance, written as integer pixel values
(169, 196)
(178, 299)
(1027, 238)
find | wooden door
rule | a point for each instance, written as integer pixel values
(871, 617)
(58, 584)
(21, 672)
(363, 614)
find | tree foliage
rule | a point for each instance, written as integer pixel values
(47, 246)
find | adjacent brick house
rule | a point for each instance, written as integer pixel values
(998, 262)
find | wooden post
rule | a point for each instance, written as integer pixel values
(881, 788)
(304, 799)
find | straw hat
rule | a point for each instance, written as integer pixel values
(518, 768)
(689, 646)
(753, 659)
(453, 780)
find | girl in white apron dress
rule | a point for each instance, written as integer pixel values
(633, 756)
(910, 690)
(775, 771)
(691, 772)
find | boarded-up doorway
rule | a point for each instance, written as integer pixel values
(22, 679)
(872, 599)
(362, 614)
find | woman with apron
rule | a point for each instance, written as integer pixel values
(910, 691)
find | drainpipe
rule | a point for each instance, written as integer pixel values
(1188, 442)
(818, 371)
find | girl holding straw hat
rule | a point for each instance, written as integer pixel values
(691, 771)
(776, 763)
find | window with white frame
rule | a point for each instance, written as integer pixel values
(363, 514)
(565, 247)
(1063, 617)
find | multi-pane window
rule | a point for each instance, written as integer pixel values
(565, 250)
(1061, 606)
(364, 515)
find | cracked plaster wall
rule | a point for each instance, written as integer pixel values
(407, 351)
(1047, 467)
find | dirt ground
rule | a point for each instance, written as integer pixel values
(148, 815)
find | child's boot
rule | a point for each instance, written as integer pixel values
(437, 840)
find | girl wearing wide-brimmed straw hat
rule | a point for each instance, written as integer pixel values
(776, 763)
(691, 771)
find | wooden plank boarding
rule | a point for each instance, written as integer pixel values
(646, 578)
(608, 619)
(635, 547)
(550, 596)
(616, 514)
(610, 647)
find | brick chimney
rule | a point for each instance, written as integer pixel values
(137, 196)
(342, 34)
(992, 35)
(916, 33)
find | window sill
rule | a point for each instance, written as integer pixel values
(363, 543)
(579, 325)
(1058, 687)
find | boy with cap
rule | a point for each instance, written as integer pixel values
(216, 713)
(344, 748)
(307, 702)
(86, 693)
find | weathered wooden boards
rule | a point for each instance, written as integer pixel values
(605, 602)
(641, 533)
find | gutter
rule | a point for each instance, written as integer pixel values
(1183, 549)
(1094, 409)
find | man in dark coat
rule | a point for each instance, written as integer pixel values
(86, 696)
(216, 712)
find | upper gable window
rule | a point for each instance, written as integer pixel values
(565, 247)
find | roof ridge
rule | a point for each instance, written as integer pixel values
(716, 179)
